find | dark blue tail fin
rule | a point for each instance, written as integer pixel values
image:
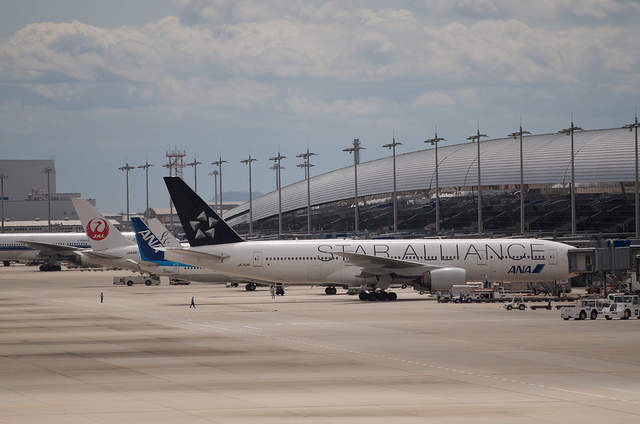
(148, 243)
(200, 223)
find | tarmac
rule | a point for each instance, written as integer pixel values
(144, 356)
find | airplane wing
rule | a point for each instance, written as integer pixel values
(377, 265)
(47, 250)
(98, 255)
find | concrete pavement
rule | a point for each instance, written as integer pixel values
(144, 356)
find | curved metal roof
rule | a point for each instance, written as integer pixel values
(601, 156)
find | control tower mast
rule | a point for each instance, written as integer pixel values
(175, 162)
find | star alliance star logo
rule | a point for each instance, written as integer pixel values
(208, 222)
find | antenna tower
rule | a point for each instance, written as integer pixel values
(175, 162)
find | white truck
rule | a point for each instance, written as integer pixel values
(147, 280)
(584, 308)
(623, 306)
(474, 292)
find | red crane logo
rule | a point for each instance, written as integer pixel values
(97, 229)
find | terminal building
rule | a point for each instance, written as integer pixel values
(604, 175)
(29, 193)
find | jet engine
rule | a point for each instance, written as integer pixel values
(442, 279)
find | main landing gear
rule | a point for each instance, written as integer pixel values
(50, 267)
(381, 296)
(330, 290)
(250, 287)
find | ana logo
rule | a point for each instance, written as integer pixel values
(97, 229)
(527, 269)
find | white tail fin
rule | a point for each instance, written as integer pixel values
(161, 232)
(102, 234)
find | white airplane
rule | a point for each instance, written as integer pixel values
(424, 264)
(50, 248)
(152, 238)
(110, 248)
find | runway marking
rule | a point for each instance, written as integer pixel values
(619, 390)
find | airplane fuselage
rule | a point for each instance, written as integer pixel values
(323, 261)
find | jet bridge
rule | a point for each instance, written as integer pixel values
(615, 256)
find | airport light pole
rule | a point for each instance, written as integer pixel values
(434, 142)
(146, 174)
(570, 131)
(219, 163)
(514, 135)
(215, 187)
(474, 138)
(634, 126)
(195, 164)
(126, 168)
(392, 146)
(2, 178)
(48, 170)
(355, 150)
(248, 162)
(278, 167)
(307, 175)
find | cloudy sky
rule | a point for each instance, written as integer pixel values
(97, 84)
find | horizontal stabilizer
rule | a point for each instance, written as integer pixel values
(193, 257)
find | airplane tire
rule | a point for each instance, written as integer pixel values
(372, 297)
(381, 296)
(363, 295)
(392, 296)
(250, 287)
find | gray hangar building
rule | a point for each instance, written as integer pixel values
(604, 174)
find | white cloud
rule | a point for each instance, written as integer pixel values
(433, 99)
(357, 107)
(541, 9)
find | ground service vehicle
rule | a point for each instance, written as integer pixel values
(584, 308)
(516, 303)
(147, 280)
(623, 306)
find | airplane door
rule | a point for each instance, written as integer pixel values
(257, 259)
(553, 257)
(176, 269)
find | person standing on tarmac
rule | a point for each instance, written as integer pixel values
(193, 303)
